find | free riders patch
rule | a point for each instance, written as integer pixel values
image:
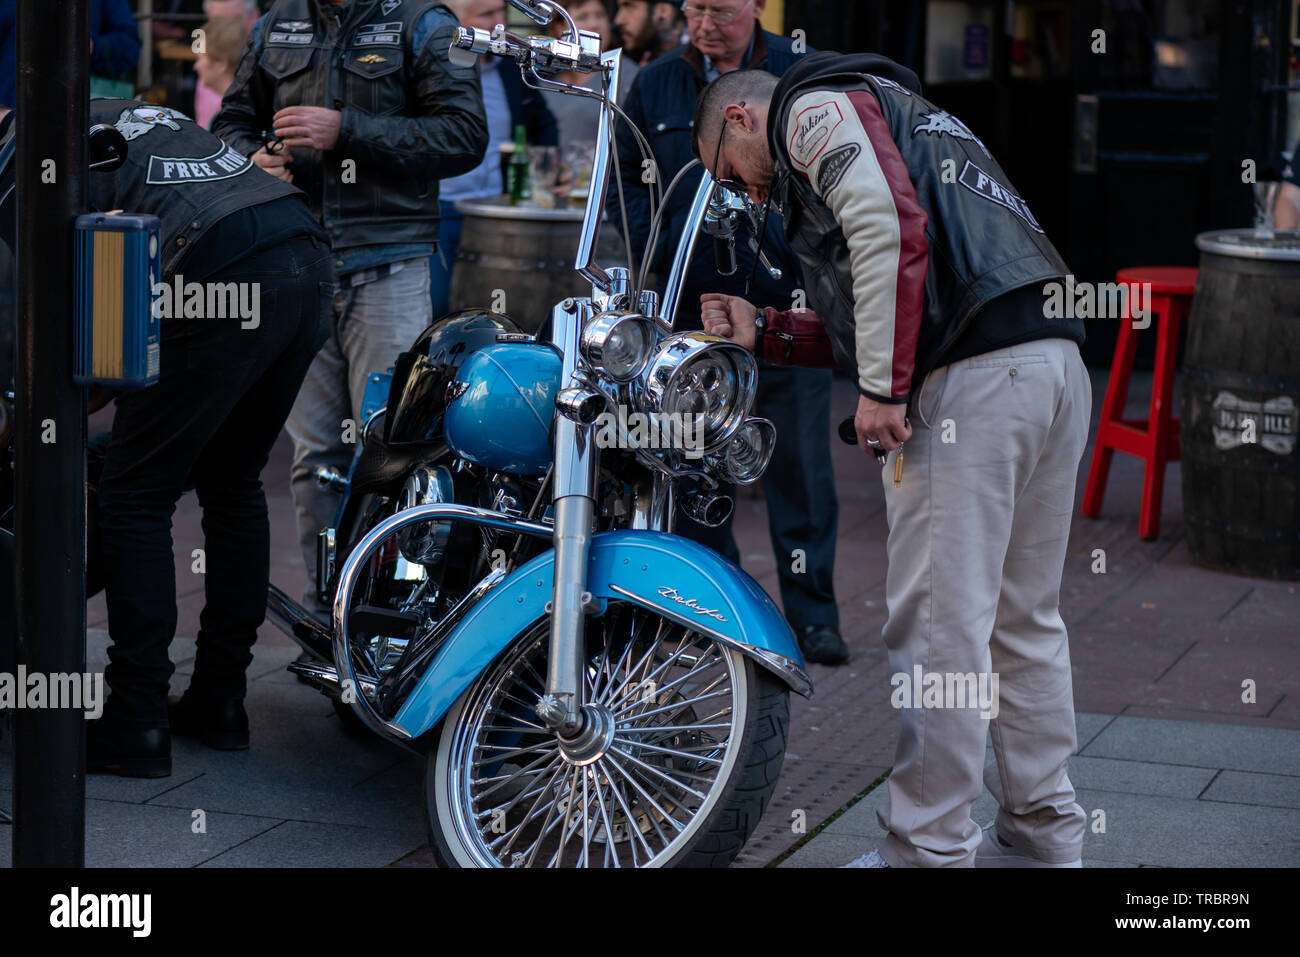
(373, 33)
(834, 165)
(982, 184)
(813, 129)
(224, 163)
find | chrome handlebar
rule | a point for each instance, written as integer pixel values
(542, 56)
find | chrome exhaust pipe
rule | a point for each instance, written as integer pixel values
(323, 677)
(299, 624)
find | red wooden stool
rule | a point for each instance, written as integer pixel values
(1155, 439)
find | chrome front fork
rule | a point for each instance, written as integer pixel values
(576, 459)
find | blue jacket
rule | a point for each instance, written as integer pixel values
(112, 27)
(662, 105)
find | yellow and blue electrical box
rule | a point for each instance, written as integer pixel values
(117, 267)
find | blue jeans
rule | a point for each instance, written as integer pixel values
(372, 324)
(443, 259)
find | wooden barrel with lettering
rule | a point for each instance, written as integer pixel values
(1241, 405)
(519, 259)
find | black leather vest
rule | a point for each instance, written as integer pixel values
(193, 179)
(984, 241)
(358, 56)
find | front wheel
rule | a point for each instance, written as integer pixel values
(692, 739)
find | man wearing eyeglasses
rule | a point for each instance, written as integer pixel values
(798, 485)
(928, 271)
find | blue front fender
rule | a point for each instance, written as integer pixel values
(669, 574)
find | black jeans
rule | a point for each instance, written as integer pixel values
(208, 423)
(802, 509)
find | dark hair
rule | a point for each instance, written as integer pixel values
(749, 86)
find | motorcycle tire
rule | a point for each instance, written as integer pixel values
(711, 837)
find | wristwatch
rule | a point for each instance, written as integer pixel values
(760, 328)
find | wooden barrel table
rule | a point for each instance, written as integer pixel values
(1241, 405)
(518, 260)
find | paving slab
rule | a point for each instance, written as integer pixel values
(1139, 777)
(302, 844)
(1242, 787)
(1173, 832)
(139, 835)
(1204, 745)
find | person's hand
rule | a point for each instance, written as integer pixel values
(564, 182)
(885, 423)
(277, 163)
(312, 126)
(730, 317)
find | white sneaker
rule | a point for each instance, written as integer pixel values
(867, 860)
(994, 852)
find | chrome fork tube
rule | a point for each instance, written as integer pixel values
(575, 507)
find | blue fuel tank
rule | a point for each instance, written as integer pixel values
(504, 406)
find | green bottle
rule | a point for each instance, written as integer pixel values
(517, 177)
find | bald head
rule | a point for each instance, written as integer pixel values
(753, 88)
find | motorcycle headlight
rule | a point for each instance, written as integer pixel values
(745, 458)
(618, 342)
(696, 374)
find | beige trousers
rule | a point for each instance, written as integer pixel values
(978, 529)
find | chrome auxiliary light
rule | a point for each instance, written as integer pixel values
(618, 342)
(694, 373)
(745, 458)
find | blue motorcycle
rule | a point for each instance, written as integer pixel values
(588, 689)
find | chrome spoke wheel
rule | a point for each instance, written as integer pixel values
(667, 712)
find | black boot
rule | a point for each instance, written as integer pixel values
(823, 644)
(218, 721)
(131, 752)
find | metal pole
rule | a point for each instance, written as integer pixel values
(144, 23)
(50, 566)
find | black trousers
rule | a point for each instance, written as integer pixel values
(802, 510)
(208, 423)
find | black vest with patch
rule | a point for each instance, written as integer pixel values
(357, 56)
(192, 179)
